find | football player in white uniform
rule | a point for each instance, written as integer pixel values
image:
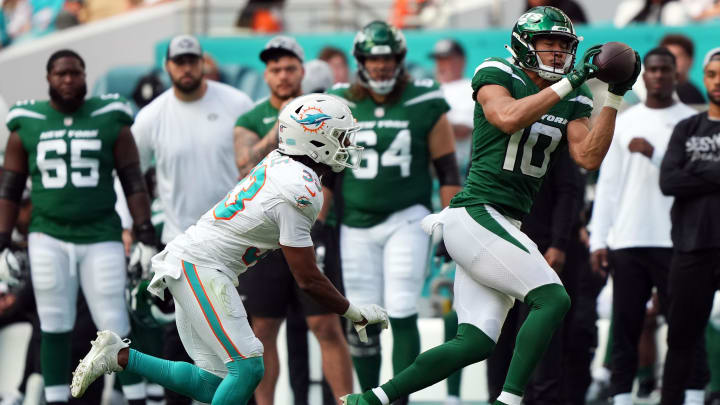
(273, 207)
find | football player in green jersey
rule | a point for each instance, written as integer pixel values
(384, 251)
(525, 111)
(69, 146)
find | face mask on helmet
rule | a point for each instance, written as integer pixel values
(321, 127)
(375, 39)
(538, 23)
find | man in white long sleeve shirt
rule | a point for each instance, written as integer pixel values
(631, 216)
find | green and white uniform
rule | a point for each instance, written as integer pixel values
(260, 119)
(497, 263)
(74, 230)
(384, 250)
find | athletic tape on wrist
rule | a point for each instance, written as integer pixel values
(353, 313)
(562, 88)
(613, 101)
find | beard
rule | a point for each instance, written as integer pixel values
(69, 104)
(714, 100)
(187, 88)
(285, 93)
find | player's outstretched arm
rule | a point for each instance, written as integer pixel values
(301, 261)
(511, 115)
(310, 279)
(589, 146)
(12, 185)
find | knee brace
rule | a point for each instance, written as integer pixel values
(363, 349)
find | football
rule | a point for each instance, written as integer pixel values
(616, 62)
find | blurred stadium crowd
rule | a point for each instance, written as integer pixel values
(611, 227)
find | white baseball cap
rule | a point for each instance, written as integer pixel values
(184, 45)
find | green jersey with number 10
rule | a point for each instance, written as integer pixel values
(507, 169)
(395, 169)
(70, 162)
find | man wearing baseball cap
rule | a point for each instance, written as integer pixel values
(191, 123)
(690, 172)
(449, 58)
(271, 290)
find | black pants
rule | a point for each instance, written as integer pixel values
(694, 277)
(563, 374)
(635, 272)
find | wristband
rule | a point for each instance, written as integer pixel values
(145, 233)
(353, 313)
(562, 88)
(613, 101)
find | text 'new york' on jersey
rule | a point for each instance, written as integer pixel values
(70, 162)
(507, 169)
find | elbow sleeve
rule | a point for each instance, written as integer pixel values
(132, 179)
(447, 170)
(12, 185)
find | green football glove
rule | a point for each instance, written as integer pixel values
(584, 70)
(621, 88)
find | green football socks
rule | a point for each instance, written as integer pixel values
(548, 305)
(712, 339)
(406, 342)
(469, 346)
(451, 326)
(55, 360)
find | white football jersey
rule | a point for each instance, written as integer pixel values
(276, 204)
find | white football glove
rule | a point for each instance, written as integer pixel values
(366, 315)
(142, 255)
(9, 268)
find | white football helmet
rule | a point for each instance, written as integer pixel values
(321, 127)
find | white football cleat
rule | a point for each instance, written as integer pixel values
(102, 359)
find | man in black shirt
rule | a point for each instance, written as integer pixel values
(690, 172)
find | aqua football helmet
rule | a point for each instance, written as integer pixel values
(540, 22)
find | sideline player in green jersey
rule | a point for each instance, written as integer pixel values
(384, 251)
(69, 146)
(525, 111)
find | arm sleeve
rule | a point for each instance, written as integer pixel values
(675, 177)
(568, 187)
(142, 131)
(607, 196)
(294, 226)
